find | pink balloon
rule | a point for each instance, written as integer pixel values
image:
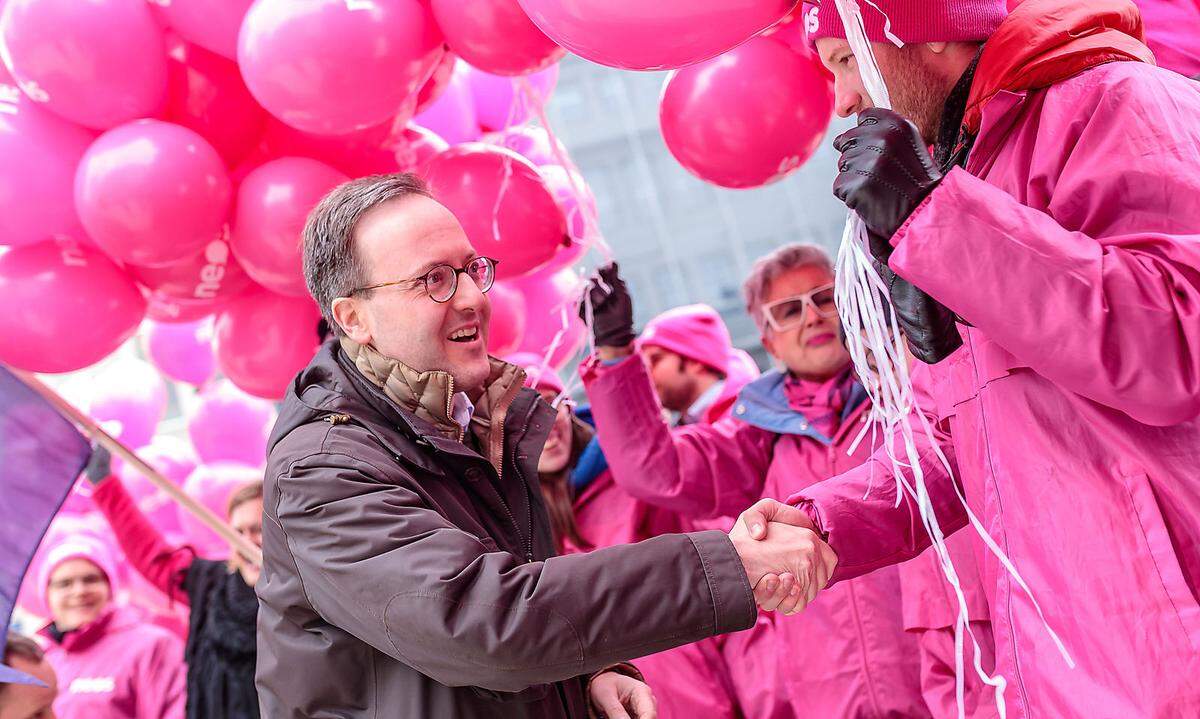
(384, 47)
(508, 320)
(228, 425)
(417, 148)
(175, 461)
(37, 177)
(98, 63)
(439, 80)
(503, 204)
(212, 485)
(366, 152)
(495, 35)
(170, 310)
(452, 116)
(533, 143)
(659, 35)
(66, 306)
(272, 206)
(578, 205)
(502, 102)
(152, 193)
(211, 24)
(748, 118)
(181, 351)
(129, 399)
(205, 281)
(206, 94)
(552, 315)
(265, 339)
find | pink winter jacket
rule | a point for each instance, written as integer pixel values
(847, 655)
(1071, 244)
(118, 667)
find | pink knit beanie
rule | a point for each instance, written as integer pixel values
(696, 332)
(913, 21)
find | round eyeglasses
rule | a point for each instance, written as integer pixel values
(441, 282)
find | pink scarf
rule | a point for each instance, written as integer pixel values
(821, 402)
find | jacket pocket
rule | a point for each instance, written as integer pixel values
(1158, 544)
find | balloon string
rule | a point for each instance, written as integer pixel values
(408, 106)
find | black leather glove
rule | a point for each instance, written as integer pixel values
(929, 328)
(99, 466)
(612, 309)
(885, 170)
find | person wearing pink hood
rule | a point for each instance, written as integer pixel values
(848, 654)
(110, 664)
(1057, 225)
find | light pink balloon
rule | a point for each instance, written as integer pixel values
(552, 315)
(228, 425)
(748, 118)
(206, 94)
(416, 149)
(264, 339)
(452, 116)
(502, 102)
(366, 152)
(658, 35)
(204, 281)
(211, 24)
(578, 205)
(272, 205)
(129, 399)
(152, 193)
(495, 35)
(181, 351)
(533, 143)
(508, 320)
(212, 485)
(174, 459)
(66, 306)
(37, 177)
(331, 66)
(439, 80)
(98, 63)
(503, 204)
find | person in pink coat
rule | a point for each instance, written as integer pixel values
(1062, 230)
(848, 654)
(110, 663)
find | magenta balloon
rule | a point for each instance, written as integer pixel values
(181, 351)
(533, 143)
(211, 24)
(452, 116)
(129, 398)
(98, 63)
(578, 204)
(228, 425)
(416, 149)
(272, 205)
(152, 193)
(658, 35)
(508, 320)
(366, 152)
(265, 339)
(66, 306)
(552, 302)
(748, 118)
(212, 485)
(209, 278)
(332, 66)
(439, 80)
(206, 94)
(502, 102)
(503, 204)
(37, 177)
(496, 36)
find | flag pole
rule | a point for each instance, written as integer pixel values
(89, 426)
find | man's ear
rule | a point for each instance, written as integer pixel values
(351, 316)
(937, 48)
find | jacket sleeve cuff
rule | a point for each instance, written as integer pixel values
(624, 668)
(733, 600)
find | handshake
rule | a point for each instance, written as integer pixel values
(786, 561)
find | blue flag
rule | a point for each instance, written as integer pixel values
(41, 455)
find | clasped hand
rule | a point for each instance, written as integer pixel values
(786, 561)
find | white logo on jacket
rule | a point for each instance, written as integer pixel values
(92, 685)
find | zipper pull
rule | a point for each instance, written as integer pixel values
(529, 557)
(336, 419)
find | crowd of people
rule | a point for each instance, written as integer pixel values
(446, 534)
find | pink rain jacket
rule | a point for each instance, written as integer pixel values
(1071, 244)
(118, 667)
(847, 655)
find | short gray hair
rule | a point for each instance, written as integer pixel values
(331, 264)
(768, 267)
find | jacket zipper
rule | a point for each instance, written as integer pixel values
(528, 513)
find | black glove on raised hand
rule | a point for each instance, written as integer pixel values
(99, 466)
(885, 170)
(612, 309)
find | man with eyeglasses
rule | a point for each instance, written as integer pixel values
(848, 654)
(408, 560)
